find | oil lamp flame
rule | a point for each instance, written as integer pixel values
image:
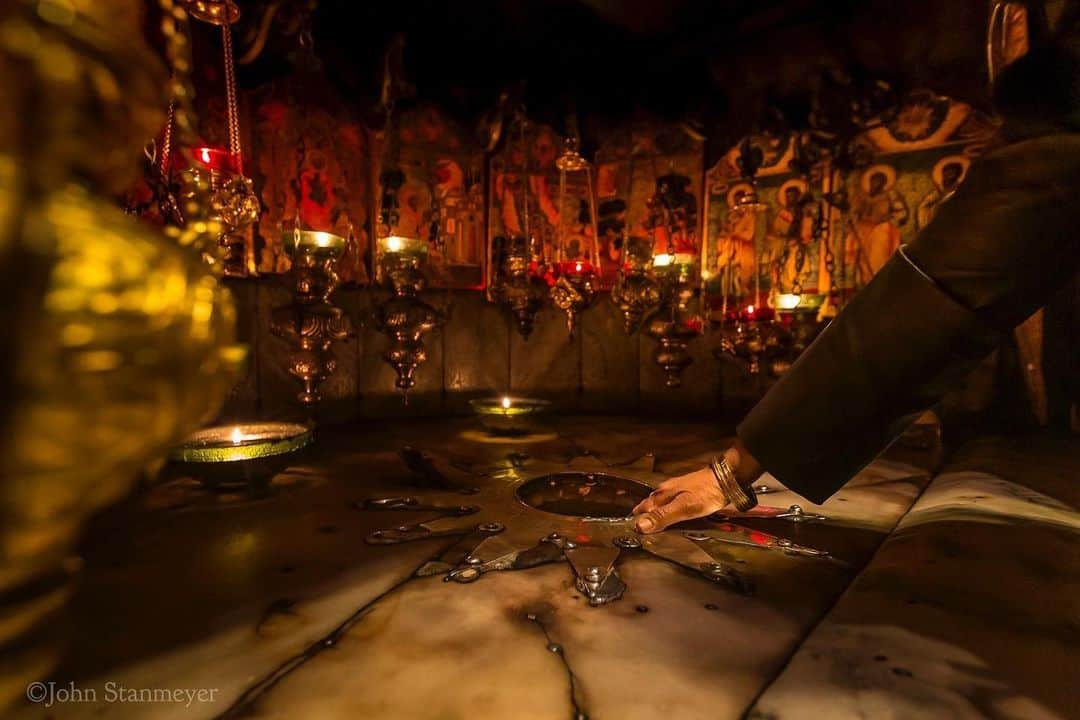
(506, 402)
(787, 301)
(237, 436)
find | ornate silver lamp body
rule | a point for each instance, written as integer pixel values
(672, 215)
(516, 285)
(636, 291)
(231, 200)
(575, 280)
(311, 323)
(404, 317)
(675, 324)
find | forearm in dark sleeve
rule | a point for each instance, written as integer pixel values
(992, 256)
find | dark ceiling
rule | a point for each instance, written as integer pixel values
(718, 63)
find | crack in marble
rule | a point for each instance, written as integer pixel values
(577, 703)
(244, 705)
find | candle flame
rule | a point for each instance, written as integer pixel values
(237, 436)
(663, 260)
(749, 309)
(206, 155)
(506, 402)
(394, 244)
(578, 267)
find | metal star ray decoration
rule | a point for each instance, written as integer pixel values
(527, 512)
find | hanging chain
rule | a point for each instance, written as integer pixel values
(800, 261)
(166, 138)
(560, 231)
(230, 98)
(522, 123)
(593, 221)
(174, 27)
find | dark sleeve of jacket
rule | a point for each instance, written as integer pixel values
(992, 256)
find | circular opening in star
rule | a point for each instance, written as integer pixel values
(579, 494)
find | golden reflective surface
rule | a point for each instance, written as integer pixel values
(118, 341)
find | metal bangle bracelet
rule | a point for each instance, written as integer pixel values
(741, 498)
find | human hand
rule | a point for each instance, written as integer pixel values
(694, 495)
(685, 497)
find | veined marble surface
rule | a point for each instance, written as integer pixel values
(971, 609)
(280, 605)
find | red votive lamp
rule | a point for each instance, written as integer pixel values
(756, 313)
(217, 159)
(574, 267)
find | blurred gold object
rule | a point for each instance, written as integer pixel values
(215, 12)
(116, 341)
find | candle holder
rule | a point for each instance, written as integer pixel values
(573, 276)
(232, 456)
(212, 190)
(751, 338)
(517, 282)
(509, 415)
(215, 12)
(768, 338)
(574, 289)
(404, 317)
(311, 323)
(636, 290)
(674, 325)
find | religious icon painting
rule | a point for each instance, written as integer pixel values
(440, 198)
(614, 168)
(311, 168)
(649, 186)
(754, 251)
(921, 156)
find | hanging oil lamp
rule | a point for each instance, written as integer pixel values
(404, 317)
(672, 214)
(212, 187)
(749, 335)
(399, 262)
(636, 291)
(517, 264)
(311, 323)
(574, 272)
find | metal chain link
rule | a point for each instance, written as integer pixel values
(174, 27)
(232, 109)
(166, 137)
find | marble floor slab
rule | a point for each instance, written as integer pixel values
(283, 605)
(970, 609)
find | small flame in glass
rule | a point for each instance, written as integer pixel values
(237, 436)
(577, 267)
(506, 402)
(749, 309)
(787, 301)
